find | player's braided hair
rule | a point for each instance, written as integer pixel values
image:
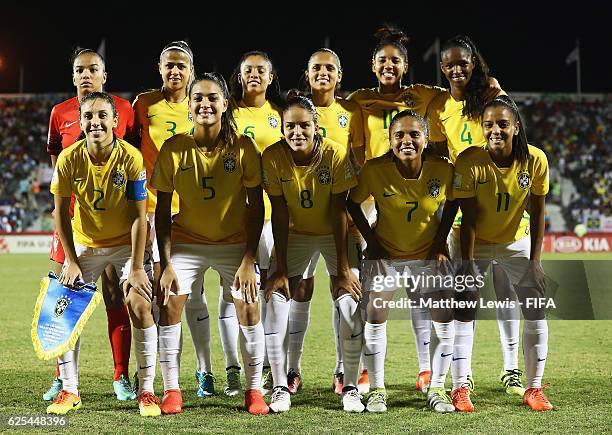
(479, 82)
(520, 149)
(228, 123)
(273, 91)
(389, 35)
(306, 104)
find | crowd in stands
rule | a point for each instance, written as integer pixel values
(576, 136)
(24, 164)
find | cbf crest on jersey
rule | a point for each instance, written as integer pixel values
(524, 179)
(408, 99)
(343, 120)
(324, 175)
(119, 178)
(433, 187)
(273, 121)
(229, 162)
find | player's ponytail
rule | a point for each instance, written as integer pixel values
(478, 85)
(389, 35)
(306, 104)
(273, 91)
(228, 123)
(520, 149)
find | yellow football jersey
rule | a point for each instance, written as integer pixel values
(447, 123)
(211, 188)
(379, 109)
(407, 209)
(101, 214)
(342, 122)
(159, 120)
(308, 191)
(501, 193)
(263, 125)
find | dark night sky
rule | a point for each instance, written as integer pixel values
(525, 50)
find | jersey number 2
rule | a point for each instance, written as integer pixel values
(96, 203)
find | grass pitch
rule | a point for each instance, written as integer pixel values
(578, 369)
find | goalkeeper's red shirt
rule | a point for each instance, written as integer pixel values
(64, 127)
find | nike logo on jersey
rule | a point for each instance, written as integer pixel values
(185, 169)
(370, 104)
(284, 181)
(388, 194)
(68, 124)
(151, 116)
(445, 355)
(457, 359)
(483, 182)
(203, 318)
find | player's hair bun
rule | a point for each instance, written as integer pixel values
(293, 93)
(391, 34)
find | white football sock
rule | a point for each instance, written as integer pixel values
(336, 327)
(420, 319)
(68, 366)
(462, 352)
(145, 348)
(198, 320)
(252, 342)
(508, 322)
(535, 351)
(299, 317)
(228, 330)
(277, 319)
(170, 355)
(442, 342)
(262, 317)
(351, 336)
(375, 344)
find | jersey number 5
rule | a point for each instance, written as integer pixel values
(209, 189)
